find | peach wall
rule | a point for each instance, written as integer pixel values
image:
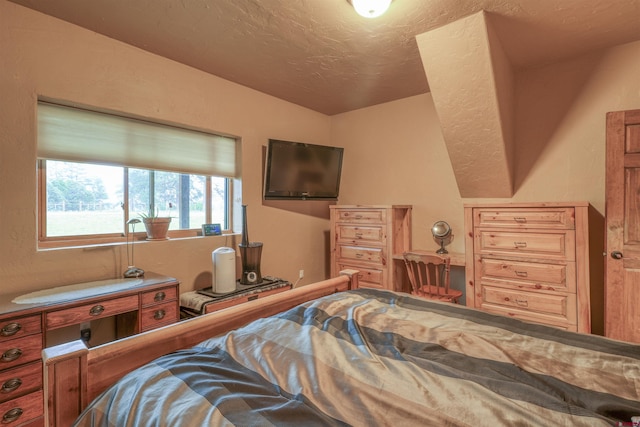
(561, 123)
(395, 152)
(43, 56)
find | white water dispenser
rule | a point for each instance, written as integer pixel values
(224, 270)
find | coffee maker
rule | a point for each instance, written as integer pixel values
(250, 253)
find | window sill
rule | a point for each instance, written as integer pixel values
(96, 243)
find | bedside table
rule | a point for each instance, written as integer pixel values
(203, 301)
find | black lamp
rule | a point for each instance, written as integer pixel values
(132, 271)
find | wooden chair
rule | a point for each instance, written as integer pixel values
(429, 275)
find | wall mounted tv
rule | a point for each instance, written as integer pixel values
(299, 171)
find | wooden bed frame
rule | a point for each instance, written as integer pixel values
(74, 375)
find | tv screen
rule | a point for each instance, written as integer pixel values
(295, 170)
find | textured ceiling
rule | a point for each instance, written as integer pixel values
(321, 55)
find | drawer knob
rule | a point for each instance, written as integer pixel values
(522, 302)
(96, 310)
(520, 244)
(11, 385)
(11, 355)
(11, 415)
(160, 296)
(519, 219)
(159, 314)
(10, 329)
(616, 255)
(521, 273)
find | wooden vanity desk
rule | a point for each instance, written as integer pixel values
(138, 305)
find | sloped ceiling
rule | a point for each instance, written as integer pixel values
(472, 86)
(321, 55)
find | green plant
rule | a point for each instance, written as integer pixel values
(150, 214)
(155, 213)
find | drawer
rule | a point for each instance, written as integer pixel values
(209, 308)
(20, 380)
(369, 216)
(20, 351)
(534, 275)
(88, 312)
(359, 253)
(556, 246)
(547, 218)
(22, 409)
(367, 277)
(159, 295)
(361, 234)
(159, 315)
(20, 326)
(556, 306)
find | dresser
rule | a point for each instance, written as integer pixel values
(136, 304)
(365, 238)
(539, 262)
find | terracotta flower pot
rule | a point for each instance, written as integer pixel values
(157, 228)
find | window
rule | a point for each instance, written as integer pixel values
(93, 176)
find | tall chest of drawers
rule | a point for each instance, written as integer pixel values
(536, 262)
(365, 238)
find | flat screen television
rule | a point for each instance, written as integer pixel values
(300, 171)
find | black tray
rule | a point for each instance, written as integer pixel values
(267, 281)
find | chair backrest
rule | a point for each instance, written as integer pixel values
(428, 273)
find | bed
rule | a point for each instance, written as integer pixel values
(367, 357)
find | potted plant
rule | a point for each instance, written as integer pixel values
(156, 226)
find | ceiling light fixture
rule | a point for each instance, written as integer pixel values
(370, 8)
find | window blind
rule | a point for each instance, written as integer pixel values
(73, 134)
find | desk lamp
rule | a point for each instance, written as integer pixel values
(132, 271)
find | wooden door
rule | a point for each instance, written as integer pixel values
(622, 257)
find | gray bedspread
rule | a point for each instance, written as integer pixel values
(368, 358)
